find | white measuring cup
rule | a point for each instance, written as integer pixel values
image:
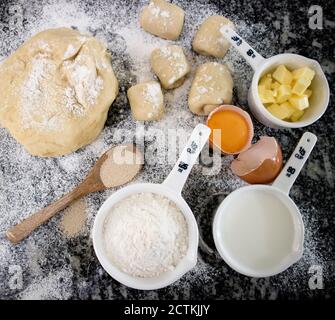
(318, 101)
(170, 188)
(289, 237)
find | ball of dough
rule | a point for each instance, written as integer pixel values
(162, 19)
(212, 86)
(56, 90)
(209, 40)
(146, 101)
(170, 65)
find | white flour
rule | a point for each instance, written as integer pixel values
(153, 95)
(31, 183)
(145, 235)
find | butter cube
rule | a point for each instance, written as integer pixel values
(308, 93)
(265, 95)
(296, 115)
(299, 102)
(284, 92)
(275, 85)
(305, 72)
(266, 81)
(280, 112)
(287, 109)
(282, 75)
(300, 85)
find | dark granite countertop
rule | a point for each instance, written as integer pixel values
(47, 265)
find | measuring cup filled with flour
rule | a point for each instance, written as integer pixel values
(145, 235)
(258, 229)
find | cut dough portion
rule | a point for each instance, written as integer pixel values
(56, 90)
(162, 19)
(212, 86)
(146, 101)
(170, 65)
(209, 40)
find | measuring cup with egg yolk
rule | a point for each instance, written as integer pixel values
(231, 129)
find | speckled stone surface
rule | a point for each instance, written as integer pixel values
(50, 266)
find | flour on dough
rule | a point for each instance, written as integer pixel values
(162, 19)
(170, 65)
(209, 39)
(56, 90)
(146, 101)
(212, 86)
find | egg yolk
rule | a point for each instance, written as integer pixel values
(229, 131)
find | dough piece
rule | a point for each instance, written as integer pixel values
(56, 90)
(162, 19)
(212, 86)
(146, 101)
(170, 65)
(209, 40)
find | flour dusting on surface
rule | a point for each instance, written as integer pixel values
(66, 268)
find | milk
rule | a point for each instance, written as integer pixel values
(257, 230)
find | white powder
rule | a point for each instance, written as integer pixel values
(39, 107)
(69, 51)
(139, 45)
(71, 102)
(145, 235)
(35, 95)
(86, 83)
(175, 61)
(32, 183)
(153, 94)
(157, 11)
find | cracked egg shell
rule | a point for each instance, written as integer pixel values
(261, 163)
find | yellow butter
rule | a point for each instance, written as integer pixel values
(275, 85)
(282, 75)
(287, 109)
(308, 93)
(305, 72)
(265, 95)
(300, 85)
(284, 92)
(280, 112)
(266, 81)
(299, 102)
(296, 115)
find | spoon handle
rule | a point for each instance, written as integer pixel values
(178, 176)
(297, 160)
(28, 225)
(244, 48)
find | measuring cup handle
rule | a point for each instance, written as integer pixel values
(297, 160)
(249, 54)
(177, 177)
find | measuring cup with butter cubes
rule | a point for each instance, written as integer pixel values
(317, 102)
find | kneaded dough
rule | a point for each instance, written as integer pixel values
(162, 19)
(146, 101)
(170, 65)
(212, 86)
(56, 90)
(209, 40)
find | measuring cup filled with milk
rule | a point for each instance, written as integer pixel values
(258, 229)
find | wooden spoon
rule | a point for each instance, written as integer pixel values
(115, 163)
